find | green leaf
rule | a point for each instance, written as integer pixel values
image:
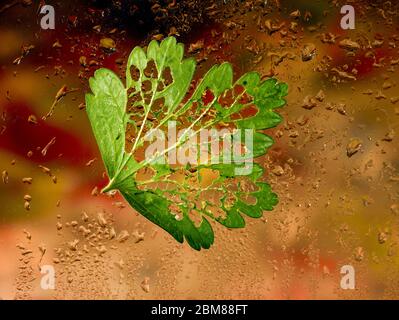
(106, 109)
(156, 208)
(179, 197)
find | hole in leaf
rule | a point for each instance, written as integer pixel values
(146, 86)
(248, 199)
(246, 112)
(195, 217)
(151, 71)
(207, 97)
(227, 99)
(167, 76)
(176, 211)
(238, 90)
(134, 73)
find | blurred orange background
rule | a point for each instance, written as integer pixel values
(334, 210)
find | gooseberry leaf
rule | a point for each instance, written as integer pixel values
(160, 94)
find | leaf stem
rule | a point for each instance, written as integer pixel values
(109, 186)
